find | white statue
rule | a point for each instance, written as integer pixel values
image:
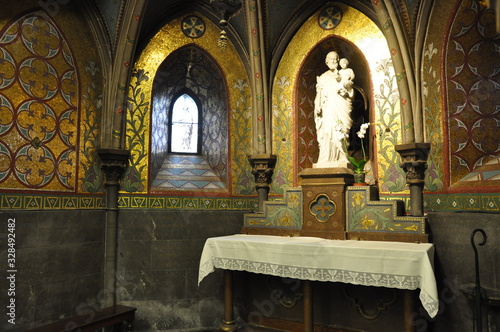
(332, 112)
(347, 76)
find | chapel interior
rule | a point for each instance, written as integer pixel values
(131, 131)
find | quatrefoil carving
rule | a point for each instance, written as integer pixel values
(322, 208)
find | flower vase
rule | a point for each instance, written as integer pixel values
(359, 179)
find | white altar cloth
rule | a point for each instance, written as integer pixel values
(369, 263)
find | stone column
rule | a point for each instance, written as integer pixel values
(113, 163)
(262, 169)
(261, 159)
(403, 65)
(261, 142)
(414, 163)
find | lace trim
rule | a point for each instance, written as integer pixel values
(205, 270)
(332, 275)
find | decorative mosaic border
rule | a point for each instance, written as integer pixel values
(49, 202)
(187, 203)
(468, 202)
(485, 202)
(60, 202)
(489, 202)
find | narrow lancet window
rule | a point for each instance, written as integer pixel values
(184, 125)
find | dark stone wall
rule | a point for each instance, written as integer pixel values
(455, 268)
(159, 253)
(59, 259)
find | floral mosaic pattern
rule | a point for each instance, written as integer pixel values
(434, 178)
(364, 214)
(137, 131)
(392, 177)
(92, 107)
(282, 112)
(39, 91)
(285, 213)
(243, 178)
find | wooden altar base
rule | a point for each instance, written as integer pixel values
(324, 211)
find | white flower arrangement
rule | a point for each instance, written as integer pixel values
(358, 165)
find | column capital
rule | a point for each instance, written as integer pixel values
(262, 168)
(113, 163)
(414, 160)
(414, 163)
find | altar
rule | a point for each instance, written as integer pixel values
(329, 230)
(392, 264)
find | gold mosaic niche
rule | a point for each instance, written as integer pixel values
(358, 29)
(167, 40)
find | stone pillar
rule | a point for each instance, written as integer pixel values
(262, 169)
(113, 163)
(261, 115)
(414, 163)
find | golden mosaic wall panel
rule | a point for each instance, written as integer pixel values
(47, 66)
(359, 30)
(167, 40)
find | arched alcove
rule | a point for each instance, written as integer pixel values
(294, 90)
(190, 70)
(305, 90)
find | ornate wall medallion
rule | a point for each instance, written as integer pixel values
(330, 17)
(193, 26)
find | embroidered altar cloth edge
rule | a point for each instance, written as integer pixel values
(370, 263)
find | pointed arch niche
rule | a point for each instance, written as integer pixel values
(359, 39)
(171, 62)
(305, 90)
(190, 71)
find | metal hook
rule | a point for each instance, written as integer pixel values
(472, 238)
(477, 290)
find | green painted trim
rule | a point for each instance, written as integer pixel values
(472, 202)
(50, 202)
(479, 202)
(66, 202)
(187, 203)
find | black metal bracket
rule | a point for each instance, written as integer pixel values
(478, 291)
